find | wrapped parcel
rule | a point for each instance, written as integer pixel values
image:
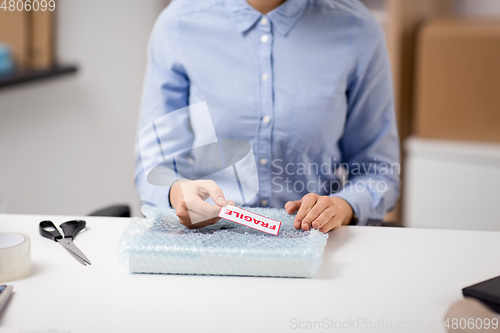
(160, 244)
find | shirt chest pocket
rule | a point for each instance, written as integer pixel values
(317, 122)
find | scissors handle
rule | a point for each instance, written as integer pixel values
(71, 228)
(48, 230)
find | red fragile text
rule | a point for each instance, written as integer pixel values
(249, 219)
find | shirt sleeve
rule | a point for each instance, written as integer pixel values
(370, 144)
(166, 89)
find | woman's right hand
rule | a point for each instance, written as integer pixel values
(188, 198)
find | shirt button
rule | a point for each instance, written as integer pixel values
(264, 202)
(264, 38)
(264, 77)
(263, 161)
(266, 120)
(264, 21)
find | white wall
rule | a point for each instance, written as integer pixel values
(66, 145)
(452, 184)
(479, 8)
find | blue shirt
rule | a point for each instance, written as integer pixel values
(308, 85)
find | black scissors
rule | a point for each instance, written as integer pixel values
(70, 229)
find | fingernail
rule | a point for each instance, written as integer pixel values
(221, 200)
(305, 226)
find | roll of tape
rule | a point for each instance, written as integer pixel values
(15, 256)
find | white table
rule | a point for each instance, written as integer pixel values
(383, 276)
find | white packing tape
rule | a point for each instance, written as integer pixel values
(15, 256)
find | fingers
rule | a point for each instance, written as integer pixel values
(306, 204)
(322, 203)
(195, 192)
(192, 210)
(292, 206)
(187, 223)
(197, 218)
(334, 222)
(206, 210)
(324, 217)
(215, 192)
(314, 211)
(191, 219)
(200, 224)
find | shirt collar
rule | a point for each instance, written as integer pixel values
(283, 18)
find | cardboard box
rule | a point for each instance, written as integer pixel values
(42, 39)
(458, 80)
(14, 28)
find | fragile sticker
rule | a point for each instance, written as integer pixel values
(250, 219)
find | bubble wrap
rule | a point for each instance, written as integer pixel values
(160, 244)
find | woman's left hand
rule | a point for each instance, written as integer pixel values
(320, 212)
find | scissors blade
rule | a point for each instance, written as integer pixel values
(80, 260)
(75, 251)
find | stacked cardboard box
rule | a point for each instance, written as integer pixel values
(14, 31)
(458, 80)
(42, 39)
(452, 177)
(30, 35)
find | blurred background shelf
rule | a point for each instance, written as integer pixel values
(401, 20)
(32, 75)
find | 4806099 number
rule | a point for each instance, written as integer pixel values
(471, 323)
(28, 5)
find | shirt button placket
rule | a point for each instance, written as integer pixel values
(265, 77)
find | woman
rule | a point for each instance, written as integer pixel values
(307, 83)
